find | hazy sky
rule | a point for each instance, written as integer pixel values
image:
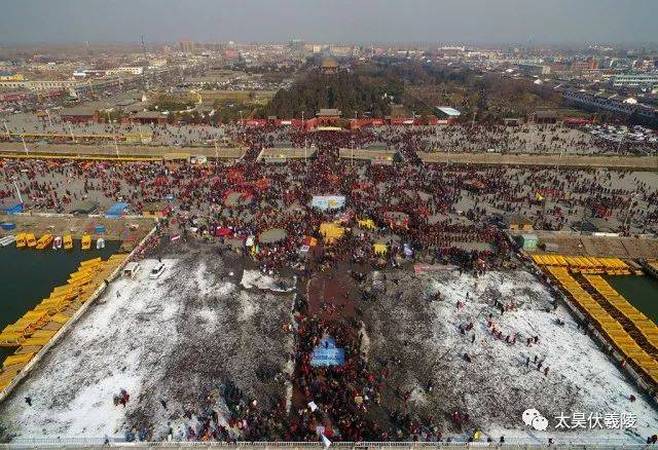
(470, 21)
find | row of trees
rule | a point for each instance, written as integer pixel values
(350, 92)
(374, 87)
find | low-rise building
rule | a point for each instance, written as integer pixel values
(640, 80)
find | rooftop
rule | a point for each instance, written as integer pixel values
(328, 112)
(452, 112)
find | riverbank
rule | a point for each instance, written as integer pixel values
(29, 275)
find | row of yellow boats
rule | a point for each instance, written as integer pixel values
(37, 326)
(29, 240)
(614, 331)
(645, 325)
(585, 264)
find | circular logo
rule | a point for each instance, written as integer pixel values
(533, 418)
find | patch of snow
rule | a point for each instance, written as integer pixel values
(482, 375)
(164, 340)
(115, 346)
(254, 279)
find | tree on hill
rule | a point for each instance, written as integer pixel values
(345, 91)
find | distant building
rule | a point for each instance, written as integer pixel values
(616, 107)
(340, 50)
(447, 113)
(581, 66)
(640, 80)
(545, 117)
(89, 73)
(329, 66)
(534, 69)
(38, 85)
(328, 116)
(79, 115)
(186, 46)
(8, 76)
(149, 117)
(133, 70)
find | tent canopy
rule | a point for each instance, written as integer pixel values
(116, 210)
(380, 249)
(327, 354)
(84, 207)
(331, 232)
(272, 236)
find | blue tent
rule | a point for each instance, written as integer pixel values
(116, 210)
(11, 208)
(327, 354)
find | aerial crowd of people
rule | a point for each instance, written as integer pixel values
(390, 213)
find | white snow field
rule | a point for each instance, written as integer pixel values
(418, 336)
(166, 339)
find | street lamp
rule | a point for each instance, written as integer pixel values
(71, 131)
(4, 122)
(25, 145)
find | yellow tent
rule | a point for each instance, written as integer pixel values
(367, 223)
(380, 249)
(331, 232)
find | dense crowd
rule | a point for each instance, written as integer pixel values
(443, 214)
(465, 137)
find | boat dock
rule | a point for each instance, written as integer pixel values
(625, 329)
(28, 229)
(29, 334)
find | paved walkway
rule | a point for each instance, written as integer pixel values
(552, 160)
(109, 151)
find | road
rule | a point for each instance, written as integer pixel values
(646, 163)
(109, 151)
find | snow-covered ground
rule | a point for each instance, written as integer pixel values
(418, 335)
(205, 324)
(170, 339)
(255, 279)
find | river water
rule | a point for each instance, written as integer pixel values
(641, 292)
(28, 276)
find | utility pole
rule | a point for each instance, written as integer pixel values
(25, 145)
(4, 122)
(352, 153)
(304, 131)
(18, 192)
(114, 133)
(72, 136)
(559, 158)
(146, 63)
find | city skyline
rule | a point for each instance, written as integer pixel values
(384, 21)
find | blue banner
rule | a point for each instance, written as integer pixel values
(327, 354)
